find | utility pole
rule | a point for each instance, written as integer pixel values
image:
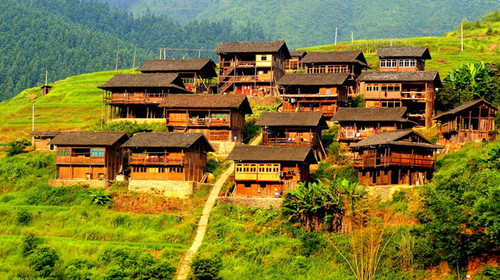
(135, 52)
(462, 36)
(352, 36)
(33, 117)
(116, 63)
(336, 29)
(46, 77)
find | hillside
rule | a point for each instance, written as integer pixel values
(313, 22)
(73, 37)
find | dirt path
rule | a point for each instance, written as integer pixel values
(185, 266)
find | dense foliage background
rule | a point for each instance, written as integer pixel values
(73, 37)
(312, 22)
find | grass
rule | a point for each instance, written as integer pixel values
(73, 103)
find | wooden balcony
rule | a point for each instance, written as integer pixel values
(126, 98)
(365, 161)
(156, 160)
(257, 176)
(80, 160)
(354, 135)
(285, 141)
(240, 79)
(200, 122)
(413, 95)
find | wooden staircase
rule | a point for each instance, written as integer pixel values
(227, 84)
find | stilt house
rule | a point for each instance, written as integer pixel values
(218, 117)
(137, 96)
(251, 68)
(471, 121)
(266, 171)
(356, 124)
(394, 158)
(294, 63)
(196, 73)
(89, 155)
(352, 62)
(403, 58)
(42, 139)
(293, 129)
(315, 92)
(414, 90)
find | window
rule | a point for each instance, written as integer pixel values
(63, 152)
(97, 152)
(388, 63)
(263, 58)
(406, 63)
(372, 88)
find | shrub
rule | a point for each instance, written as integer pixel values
(17, 146)
(24, 217)
(101, 197)
(206, 268)
(43, 260)
(29, 243)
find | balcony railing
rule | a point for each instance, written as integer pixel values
(156, 160)
(209, 122)
(285, 141)
(79, 160)
(244, 78)
(239, 63)
(351, 134)
(402, 160)
(135, 98)
(414, 95)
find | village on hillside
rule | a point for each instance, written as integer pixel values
(203, 106)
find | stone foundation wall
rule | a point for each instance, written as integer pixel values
(181, 189)
(97, 184)
(263, 203)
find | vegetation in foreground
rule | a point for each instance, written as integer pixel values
(81, 233)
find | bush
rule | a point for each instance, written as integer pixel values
(24, 217)
(17, 146)
(29, 243)
(100, 197)
(43, 260)
(206, 268)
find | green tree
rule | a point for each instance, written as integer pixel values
(468, 82)
(17, 146)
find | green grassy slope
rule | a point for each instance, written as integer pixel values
(73, 103)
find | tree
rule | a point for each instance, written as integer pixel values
(468, 82)
(17, 146)
(314, 205)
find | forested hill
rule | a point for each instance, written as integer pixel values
(69, 37)
(305, 23)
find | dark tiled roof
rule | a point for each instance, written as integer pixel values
(335, 57)
(253, 47)
(169, 80)
(394, 138)
(370, 114)
(465, 106)
(176, 65)
(208, 101)
(394, 76)
(272, 154)
(298, 119)
(168, 140)
(88, 138)
(404, 51)
(44, 133)
(297, 53)
(328, 79)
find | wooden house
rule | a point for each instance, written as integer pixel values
(414, 90)
(41, 139)
(251, 68)
(267, 171)
(352, 62)
(294, 63)
(160, 157)
(218, 117)
(196, 73)
(403, 58)
(356, 124)
(315, 92)
(46, 89)
(89, 155)
(293, 129)
(399, 157)
(137, 96)
(471, 121)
